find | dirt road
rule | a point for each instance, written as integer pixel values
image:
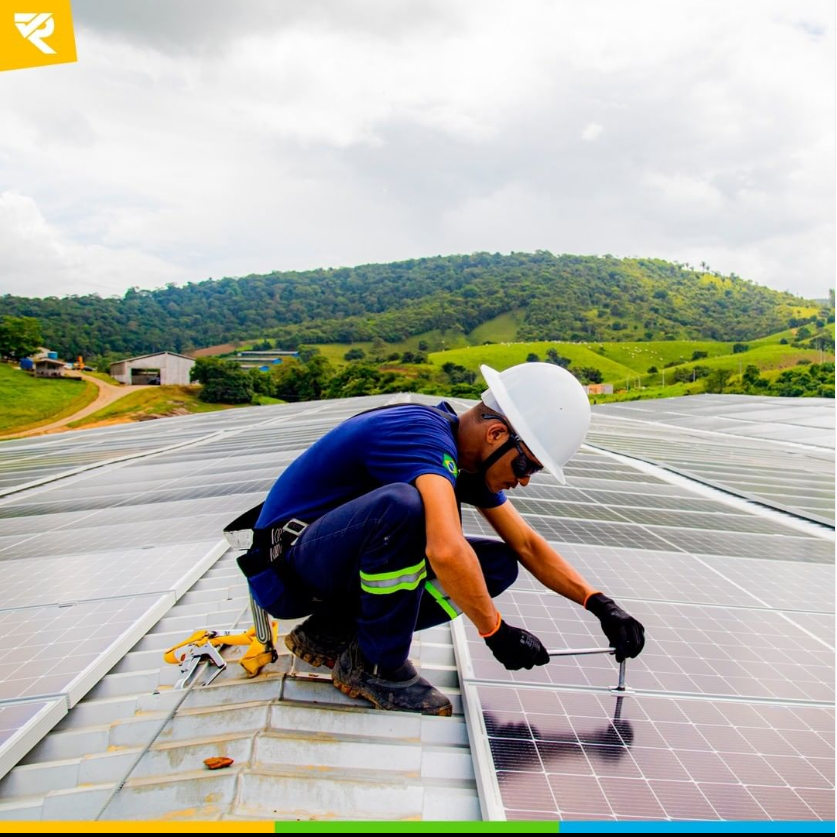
(108, 393)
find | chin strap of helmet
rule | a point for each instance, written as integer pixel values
(492, 458)
(501, 451)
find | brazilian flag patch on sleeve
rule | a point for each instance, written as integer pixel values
(450, 463)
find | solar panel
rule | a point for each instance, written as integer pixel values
(76, 578)
(691, 649)
(746, 456)
(774, 547)
(722, 669)
(112, 538)
(49, 650)
(787, 585)
(602, 533)
(654, 576)
(24, 722)
(565, 756)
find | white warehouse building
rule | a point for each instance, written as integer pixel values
(168, 367)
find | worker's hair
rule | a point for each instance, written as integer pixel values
(487, 413)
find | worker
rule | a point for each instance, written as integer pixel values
(366, 529)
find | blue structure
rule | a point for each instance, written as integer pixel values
(27, 364)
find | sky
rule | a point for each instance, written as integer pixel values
(207, 138)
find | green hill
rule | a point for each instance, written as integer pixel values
(456, 299)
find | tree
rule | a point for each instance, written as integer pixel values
(261, 382)
(716, 380)
(588, 375)
(354, 354)
(803, 333)
(413, 357)
(697, 355)
(737, 348)
(307, 352)
(357, 379)
(751, 375)
(532, 358)
(19, 337)
(423, 346)
(652, 370)
(224, 382)
(303, 381)
(458, 374)
(552, 356)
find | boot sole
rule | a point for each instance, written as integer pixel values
(304, 653)
(350, 691)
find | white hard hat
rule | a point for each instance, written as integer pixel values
(547, 407)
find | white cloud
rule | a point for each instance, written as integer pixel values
(289, 135)
(591, 132)
(36, 256)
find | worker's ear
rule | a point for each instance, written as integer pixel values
(496, 432)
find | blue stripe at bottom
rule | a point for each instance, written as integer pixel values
(697, 827)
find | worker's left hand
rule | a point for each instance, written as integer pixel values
(625, 634)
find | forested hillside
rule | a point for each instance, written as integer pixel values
(558, 298)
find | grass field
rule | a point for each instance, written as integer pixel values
(29, 402)
(151, 402)
(103, 376)
(619, 362)
(502, 355)
(502, 329)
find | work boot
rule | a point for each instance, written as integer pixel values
(399, 688)
(322, 637)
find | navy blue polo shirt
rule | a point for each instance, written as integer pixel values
(368, 451)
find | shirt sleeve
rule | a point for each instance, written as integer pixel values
(406, 446)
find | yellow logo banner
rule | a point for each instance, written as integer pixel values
(35, 33)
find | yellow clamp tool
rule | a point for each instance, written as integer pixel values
(203, 645)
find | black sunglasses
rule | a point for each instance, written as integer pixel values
(522, 465)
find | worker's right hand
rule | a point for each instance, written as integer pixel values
(516, 648)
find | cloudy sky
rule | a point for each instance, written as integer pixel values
(210, 138)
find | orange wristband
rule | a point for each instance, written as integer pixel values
(496, 627)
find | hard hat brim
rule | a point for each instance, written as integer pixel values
(521, 426)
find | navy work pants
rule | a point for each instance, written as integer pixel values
(367, 559)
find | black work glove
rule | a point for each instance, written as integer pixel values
(516, 648)
(624, 633)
